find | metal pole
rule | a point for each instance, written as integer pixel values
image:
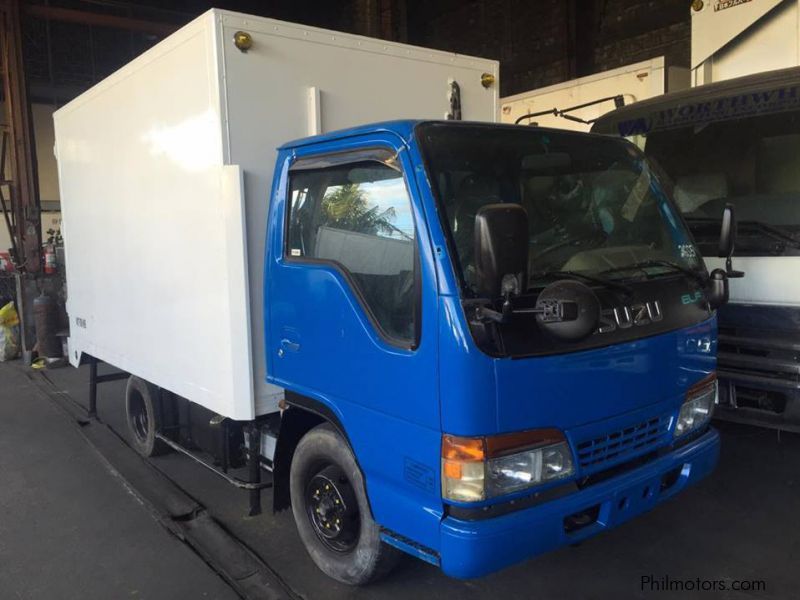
(254, 466)
(92, 387)
(9, 225)
(24, 184)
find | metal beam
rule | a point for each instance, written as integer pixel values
(23, 185)
(99, 20)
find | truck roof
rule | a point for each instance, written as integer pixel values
(405, 128)
(773, 91)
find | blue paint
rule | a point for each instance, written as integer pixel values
(473, 549)
(395, 403)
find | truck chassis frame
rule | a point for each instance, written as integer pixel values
(255, 461)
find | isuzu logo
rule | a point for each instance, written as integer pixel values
(624, 317)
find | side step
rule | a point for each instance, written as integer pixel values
(234, 481)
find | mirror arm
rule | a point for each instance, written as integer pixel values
(552, 312)
(729, 270)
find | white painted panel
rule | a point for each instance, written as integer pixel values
(767, 280)
(149, 239)
(770, 43)
(634, 82)
(718, 22)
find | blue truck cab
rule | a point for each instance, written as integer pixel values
(494, 340)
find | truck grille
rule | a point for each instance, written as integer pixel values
(758, 374)
(618, 446)
(770, 361)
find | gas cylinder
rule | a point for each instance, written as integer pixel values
(45, 317)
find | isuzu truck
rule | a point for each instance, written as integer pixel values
(464, 341)
(744, 136)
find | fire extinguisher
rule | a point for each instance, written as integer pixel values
(49, 259)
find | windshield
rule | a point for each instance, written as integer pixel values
(752, 163)
(593, 204)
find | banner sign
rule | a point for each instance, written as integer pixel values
(697, 112)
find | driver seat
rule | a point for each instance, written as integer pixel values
(474, 192)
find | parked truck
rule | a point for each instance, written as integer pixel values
(464, 341)
(737, 141)
(731, 38)
(741, 124)
(575, 104)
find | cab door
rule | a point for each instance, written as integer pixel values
(351, 305)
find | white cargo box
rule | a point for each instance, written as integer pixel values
(633, 82)
(165, 170)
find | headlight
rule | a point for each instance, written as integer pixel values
(475, 469)
(698, 407)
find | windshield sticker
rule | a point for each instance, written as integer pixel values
(719, 109)
(687, 251)
(723, 4)
(636, 197)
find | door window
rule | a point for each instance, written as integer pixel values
(357, 216)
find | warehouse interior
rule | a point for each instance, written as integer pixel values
(707, 93)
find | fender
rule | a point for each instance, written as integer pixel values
(302, 415)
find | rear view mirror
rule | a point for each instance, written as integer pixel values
(501, 250)
(717, 293)
(727, 240)
(718, 288)
(727, 233)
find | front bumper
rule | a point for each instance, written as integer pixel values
(475, 548)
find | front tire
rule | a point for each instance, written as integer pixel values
(143, 411)
(331, 511)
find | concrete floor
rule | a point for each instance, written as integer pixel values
(739, 524)
(68, 526)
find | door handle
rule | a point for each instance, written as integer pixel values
(288, 346)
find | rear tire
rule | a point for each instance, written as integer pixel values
(332, 513)
(143, 411)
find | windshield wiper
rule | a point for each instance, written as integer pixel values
(586, 278)
(641, 265)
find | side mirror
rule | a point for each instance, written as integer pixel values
(727, 232)
(727, 240)
(501, 250)
(717, 288)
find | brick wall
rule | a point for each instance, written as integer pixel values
(637, 30)
(542, 42)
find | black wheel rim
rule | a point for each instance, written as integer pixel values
(332, 509)
(138, 415)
